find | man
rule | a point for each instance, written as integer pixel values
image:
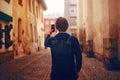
(65, 51)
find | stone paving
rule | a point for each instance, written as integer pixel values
(38, 66)
(94, 70)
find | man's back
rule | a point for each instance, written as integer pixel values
(62, 56)
(66, 56)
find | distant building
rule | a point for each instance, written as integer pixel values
(70, 12)
(49, 19)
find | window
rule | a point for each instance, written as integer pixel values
(73, 10)
(47, 22)
(52, 22)
(20, 2)
(73, 21)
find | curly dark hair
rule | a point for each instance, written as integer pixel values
(61, 24)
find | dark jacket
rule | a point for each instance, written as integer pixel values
(72, 63)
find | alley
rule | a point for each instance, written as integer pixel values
(38, 66)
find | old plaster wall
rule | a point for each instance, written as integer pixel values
(119, 32)
(114, 25)
(98, 24)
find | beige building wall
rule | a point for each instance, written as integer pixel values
(28, 20)
(99, 25)
(27, 34)
(114, 26)
(80, 20)
(19, 23)
(40, 27)
(31, 25)
(35, 21)
(98, 18)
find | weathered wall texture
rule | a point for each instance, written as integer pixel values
(98, 28)
(99, 25)
(119, 31)
(27, 34)
(80, 21)
(19, 23)
(28, 26)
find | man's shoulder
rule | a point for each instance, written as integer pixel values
(51, 38)
(73, 37)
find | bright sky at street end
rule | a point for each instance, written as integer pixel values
(54, 7)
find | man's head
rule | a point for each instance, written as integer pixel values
(61, 24)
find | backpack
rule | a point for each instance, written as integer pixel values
(62, 55)
(61, 47)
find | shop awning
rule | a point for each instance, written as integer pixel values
(5, 17)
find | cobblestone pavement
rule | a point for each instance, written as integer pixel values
(38, 66)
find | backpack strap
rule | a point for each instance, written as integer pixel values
(69, 38)
(55, 39)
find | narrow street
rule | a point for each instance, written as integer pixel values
(37, 67)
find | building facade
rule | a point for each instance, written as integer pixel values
(26, 17)
(99, 24)
(6, 20)
(70, 13)
(49, 20)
